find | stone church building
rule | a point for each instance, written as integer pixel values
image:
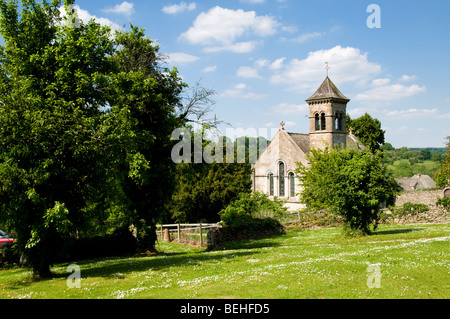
(274, 171)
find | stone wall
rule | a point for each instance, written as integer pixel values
(218, 237)
(428, 197)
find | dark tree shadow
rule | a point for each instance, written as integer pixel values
(397, 231)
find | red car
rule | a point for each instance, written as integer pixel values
(5, 240)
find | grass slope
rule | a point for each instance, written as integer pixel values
(414, 263)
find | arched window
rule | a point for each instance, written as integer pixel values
(292, 184)
(322, 122)
(336, 121)
(339, 119)
(271, 188)
(317, 122)
(281, 179)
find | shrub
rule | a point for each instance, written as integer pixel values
(120, 242)
(444, 202)
(9, 255)
(348, 182)
(412, 209)
(320, 218)
(247, 208)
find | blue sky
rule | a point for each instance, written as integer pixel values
(265, 57)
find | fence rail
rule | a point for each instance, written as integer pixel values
(194, 234)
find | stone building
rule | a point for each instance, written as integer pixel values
(274, 171)
(418, 181)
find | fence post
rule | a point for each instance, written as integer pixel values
(179, 232)
(166, 235)
(201, 236)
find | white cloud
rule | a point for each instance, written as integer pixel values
(261, 63)
(125, 8)
(253, 1)
(357, 112)
(290, 124)
(241, 91)
(211, 68)
(219, 29)
(408, 78)
(307, 36)
(400, 129)
(412, 113)
(85, 16)
(378, 82)
(277, 64)
(182, 58)
(287, 108)
(240, 47)
(347, 64)
(248, 72)
(177, 8)
(390, 92)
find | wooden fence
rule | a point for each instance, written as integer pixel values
(193, 234)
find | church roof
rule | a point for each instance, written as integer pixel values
(328, 90)
(354, 143)
(302, 140)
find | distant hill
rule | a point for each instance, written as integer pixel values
(440, 150)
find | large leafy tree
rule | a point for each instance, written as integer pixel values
(351, 183)
(51, 89)
(368, 130)
(143, 115)
(85, 128)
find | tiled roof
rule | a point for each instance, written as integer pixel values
(302, 140)
(328, 90)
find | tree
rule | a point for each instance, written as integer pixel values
(51, 153)
(443, 175)
(348, 182)
(142, 117)
(387, 147)
(203, 189)
(368, 130)
(86, 123)
(425, 154)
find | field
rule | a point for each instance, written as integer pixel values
(402, 168)
(413, 261)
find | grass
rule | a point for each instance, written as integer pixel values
(402, 168)
(414, 263)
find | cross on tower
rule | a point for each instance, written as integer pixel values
(327, 67)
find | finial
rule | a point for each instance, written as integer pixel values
(327, 67)
(351, 130)
(282, 124)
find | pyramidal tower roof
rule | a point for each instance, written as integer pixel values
(328, 90)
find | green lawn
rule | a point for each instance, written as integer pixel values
(413, 262)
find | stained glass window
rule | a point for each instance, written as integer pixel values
(271, 188)
(292, 184)
(281, 177)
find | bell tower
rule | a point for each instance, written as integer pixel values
(327, 116)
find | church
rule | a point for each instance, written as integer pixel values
(274, 171)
